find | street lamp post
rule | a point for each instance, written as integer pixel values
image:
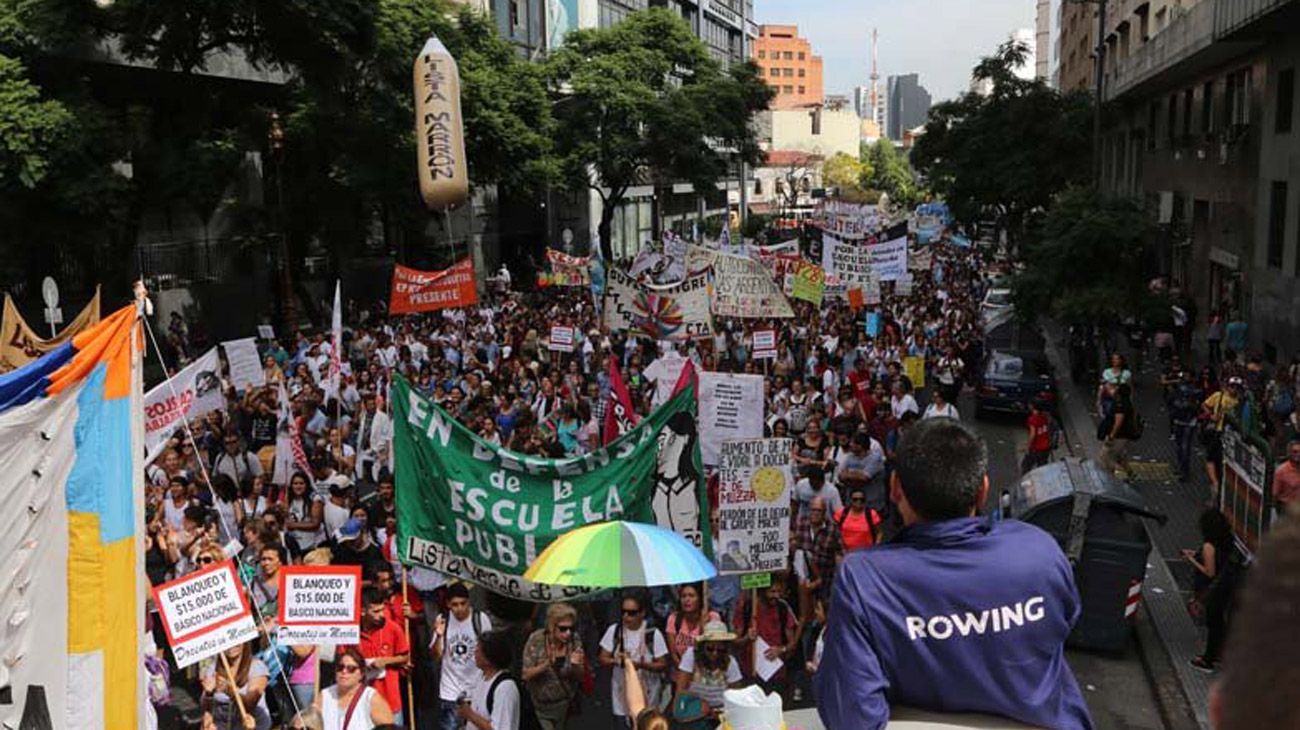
(288, 314)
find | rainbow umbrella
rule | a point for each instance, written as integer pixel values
(620, 554)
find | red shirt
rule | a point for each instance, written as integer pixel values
(393, 606)
(861, 382)
(387, 640)
(1040, 438)
(857, 531)
(769, 627)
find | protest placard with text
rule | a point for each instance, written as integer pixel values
(561, 339)
(754, 485)
(731, 407)
(204, 613)
(320, 604)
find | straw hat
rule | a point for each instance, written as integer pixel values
(715, 631)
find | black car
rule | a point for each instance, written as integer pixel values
(1013, 379)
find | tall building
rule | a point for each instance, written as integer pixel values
(1026, 37)
(1203, 125)
(1076, 39)
(1043, 40)
(862, 101)
(909, 105)
(787, 63)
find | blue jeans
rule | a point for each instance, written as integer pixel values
(447, 717)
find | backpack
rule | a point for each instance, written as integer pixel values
(873, 521)
(1283, 402)
(527, 713)
(650, 634)
(476, 620)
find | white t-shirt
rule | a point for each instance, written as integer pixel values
(899, 406)
(458, 670)
(332, 715)
(947, 411)
(710, 686)
(505, 702)
(634, 645)
(664, 372)
(335, 517)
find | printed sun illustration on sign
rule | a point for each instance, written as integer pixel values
(657, 316)
(768, 484)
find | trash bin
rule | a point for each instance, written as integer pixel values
(1097, 519)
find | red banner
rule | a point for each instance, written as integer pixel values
(427, 291)
(619, 415)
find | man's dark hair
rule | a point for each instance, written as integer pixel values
(278, 549)
(941, 465)
(457, 590)
(371, 597)
(196, 514)
(496, 649)
(1258, 661)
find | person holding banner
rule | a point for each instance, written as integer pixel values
(350, 704)
(234, 690)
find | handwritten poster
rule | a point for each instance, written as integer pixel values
(754, 485)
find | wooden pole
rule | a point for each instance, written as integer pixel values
(316, 688)
(410, 676)
(234, 686)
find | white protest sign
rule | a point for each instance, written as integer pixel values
(265, 331)
(743, 287)
(903, 285)
(889, 259)
(194, 391)
(754, 485)
(320, 604)
(204, 613)
(764, 344)
(561, 339)
(731, 407)
(851, 263)
(245, 364)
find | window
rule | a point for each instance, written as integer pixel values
(787, 55)
(1276, 223)
(802, 72)
(1153, 117)
(801, 55)
(758, 186)
(1207, 108)
(762, 54)
(1187, 116)
(801, 90)
(1171, 121)
(1285, 100)
(1236, 99)
(514, 15)
(787, 89)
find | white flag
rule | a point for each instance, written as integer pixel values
(336, 346)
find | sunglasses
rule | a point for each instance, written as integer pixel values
(566, 629)
(346, 668)
(714, 649)
(205, 561)
(631, 611)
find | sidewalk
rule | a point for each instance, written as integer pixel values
(1168, 582)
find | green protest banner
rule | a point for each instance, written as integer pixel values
(475, 511)
(755, 580)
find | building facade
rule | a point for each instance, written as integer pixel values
(1204, 127)
(789, 66)
(909, 105)
(1043, 40)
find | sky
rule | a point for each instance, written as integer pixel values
(941, 40)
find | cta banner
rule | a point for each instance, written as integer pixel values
(475, 511)
(676, 312)
(427, 291)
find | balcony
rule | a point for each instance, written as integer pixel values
(1234, 15)
(1186, 35)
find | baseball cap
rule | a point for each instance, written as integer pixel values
(350, 530)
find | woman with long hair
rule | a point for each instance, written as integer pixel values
(306, 513)
(250, 675)
(1208, 560)
(687, 622)
(553, 665)
(350, 704)
(706, 671)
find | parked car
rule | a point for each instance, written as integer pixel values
(1013, 379)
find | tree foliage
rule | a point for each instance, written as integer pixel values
(845, 172)
(643, 102)
(1085, 262)
(1005, 155)
(890, 173)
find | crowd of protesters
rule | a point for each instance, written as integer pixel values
(844, 397)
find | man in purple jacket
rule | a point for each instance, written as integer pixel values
(956, 613)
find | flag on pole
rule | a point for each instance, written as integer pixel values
(289, 453)
(619, 415)
(336, 346)
(687, 377)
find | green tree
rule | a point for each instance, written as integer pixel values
(643, 102)
(845, 172)
(889, 173)
(1085, 262)
(1005, 155)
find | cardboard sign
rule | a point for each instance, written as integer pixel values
(204, 613)
(754, 489)
(731, 407)
(427, 291)
(320, 604)
(764, 345)
(561, 339)
(245, 364)
(914, 367)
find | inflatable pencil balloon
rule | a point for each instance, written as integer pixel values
(439, 136)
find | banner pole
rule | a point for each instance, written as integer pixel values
(410, 676)
(234, 686)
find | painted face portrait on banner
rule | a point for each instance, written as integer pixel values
(674, 501)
